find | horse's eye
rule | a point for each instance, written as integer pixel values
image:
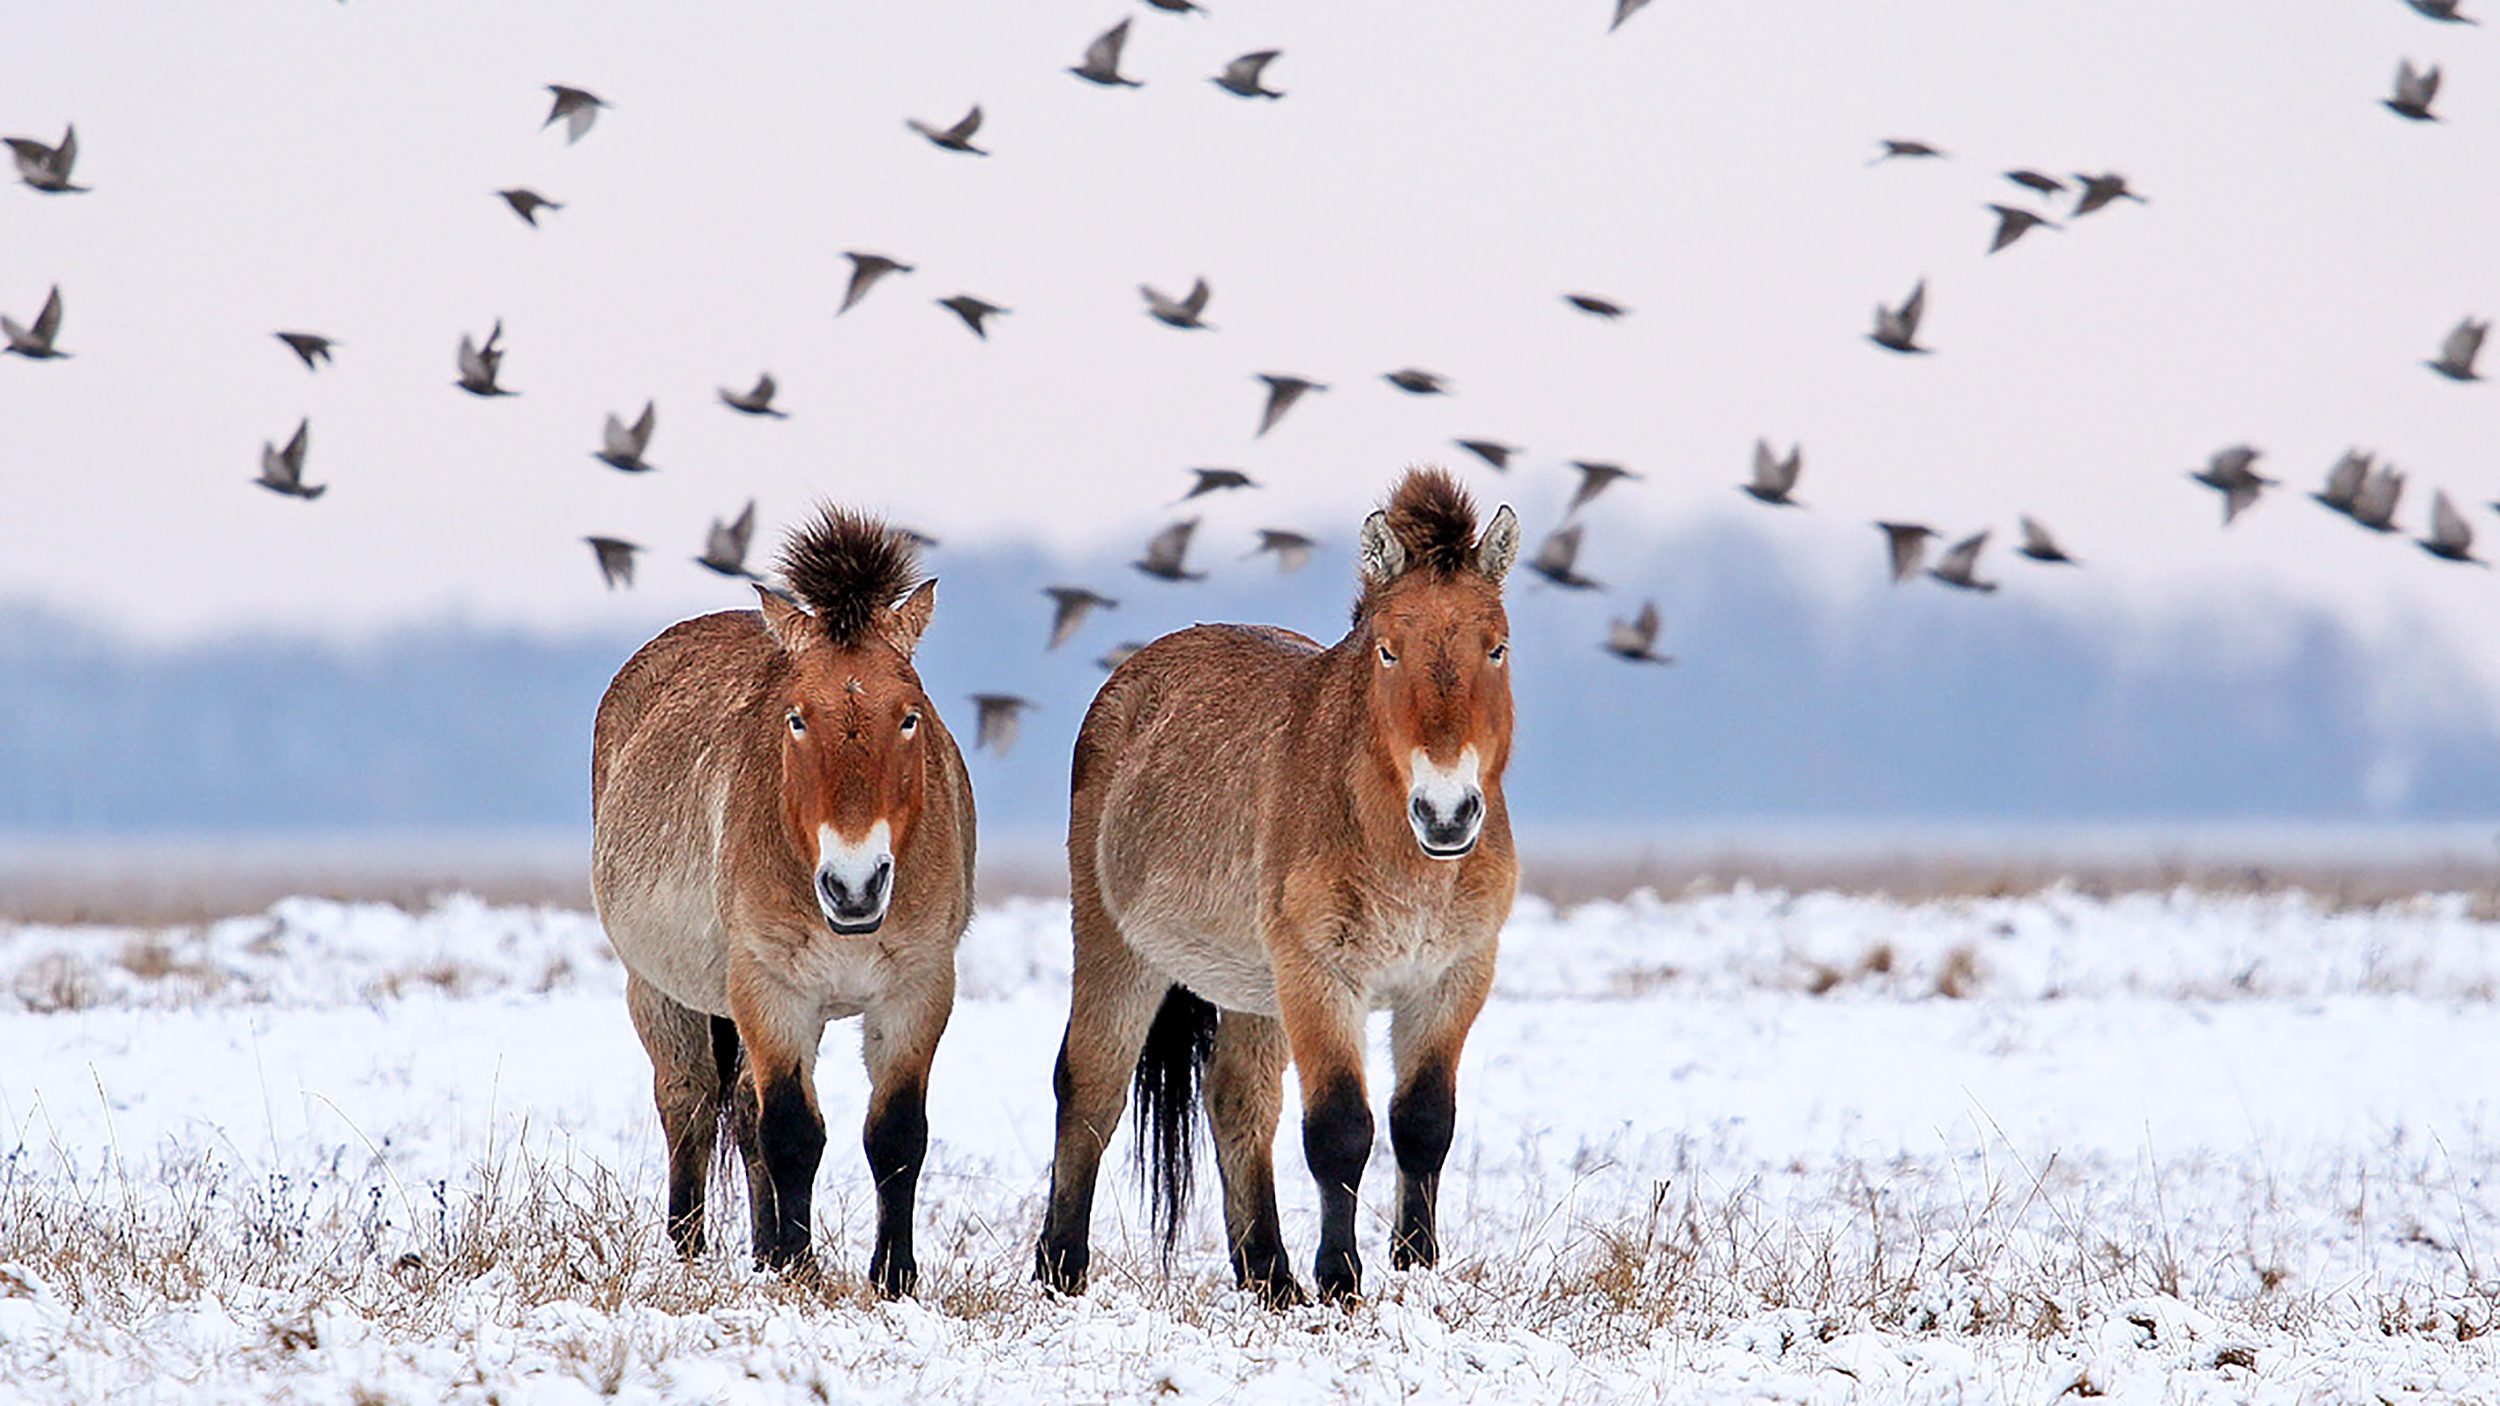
(1386, 657)
(798, 725)
(911, 723)
(1500, 652)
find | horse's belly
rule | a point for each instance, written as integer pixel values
(1222, 962)
(664, 923)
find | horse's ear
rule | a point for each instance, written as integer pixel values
(1498, 549)
(1383, 555)
(906, 622)
(785, 620)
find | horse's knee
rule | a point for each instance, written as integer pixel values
(1421, 1119)
(1337, 1134)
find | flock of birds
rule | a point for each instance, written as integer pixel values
(2357, 486)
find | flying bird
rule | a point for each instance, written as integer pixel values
(1596, 306)
(2103, 189)
(1896, 329)
(480, 365)
(1118, 655)
(47, 168)
(1188, 314)
(1101, 65)
(576, 108)
(2414, 91)
(1070, 606)
(725, 546)
(1292, 549)
(616, 560)
(1165, 551)
(1906, 544)
(1896, 148)
(866, 269)
(1557, 559)
(1624, 10)
(1596, 477)
(1241, 76)
(621, 446)
(1215, 481)
(1636, 639)
(1282, 393)
(1415, 382)
(2040, 546)
(1492, 451)
(758, 401)
(2343, 482)
(311, 347)
(526, 203)
(1178, 7)
(282, 470)
(975, 312)
(2375, 506)
(1775, 478)
(1960, 565)
(36, 343)
(2232, 473)
(2442, 10)
(2040, 182)
(2456, 355)
(955, 138)
(2452, 537)
(1001, 716)
(2013, 224)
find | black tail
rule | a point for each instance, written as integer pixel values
(727, 1056)
(1168, 1073)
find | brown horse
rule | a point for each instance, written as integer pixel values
(782, 834)
(1294, 836)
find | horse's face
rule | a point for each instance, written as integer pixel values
(854, 725)
(1440, 684)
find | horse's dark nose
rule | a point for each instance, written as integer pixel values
(855, 903)
(1451, 833)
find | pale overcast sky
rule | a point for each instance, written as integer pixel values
(1441, 171)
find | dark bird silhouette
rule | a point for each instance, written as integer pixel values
(1292, 549)
(1178, 7)
(725, 546)
(47, 168)
(1596, 476)
(2452, 537)
(310, 347)
(1216, 481)
(2375, 506)
(975, 312)
(1774, 477)
(2040, 546)
(1636, 639)
(1596, 306)
(758, 401)
(1188, 313)
(2232, 473)
(2456, 355)
(1241, 77)
(1070, 606)
(2037, 181)
(1001, 718)
(2102, 190)
(621, 446)
(2444, 11)
(526, 203)
(2013, 224)
(2414, 91)
(1959, 566)
(1896, 329)
(36, 343)
(1896, 148)
(481, 365)
(576, 108)
(1165, 552)
(1624, 10)
(1557, 559)
(2343, 482)
(1118, 655)
(1101, 64)
(1415, 382)
(1283, 392)
(866, 269)
(616, 560)
(1492, 451)
(1906, 545)
(955, 138)
(282, 470)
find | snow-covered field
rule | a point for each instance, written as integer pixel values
(1742, 1146)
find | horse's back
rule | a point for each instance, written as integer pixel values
(690, 664)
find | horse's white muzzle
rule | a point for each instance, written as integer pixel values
(855, 878)
(1445, 804)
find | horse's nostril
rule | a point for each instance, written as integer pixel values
(1469, 809)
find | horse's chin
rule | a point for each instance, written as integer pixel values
(1454, 852)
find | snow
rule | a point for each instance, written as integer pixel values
(1729, 1146)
